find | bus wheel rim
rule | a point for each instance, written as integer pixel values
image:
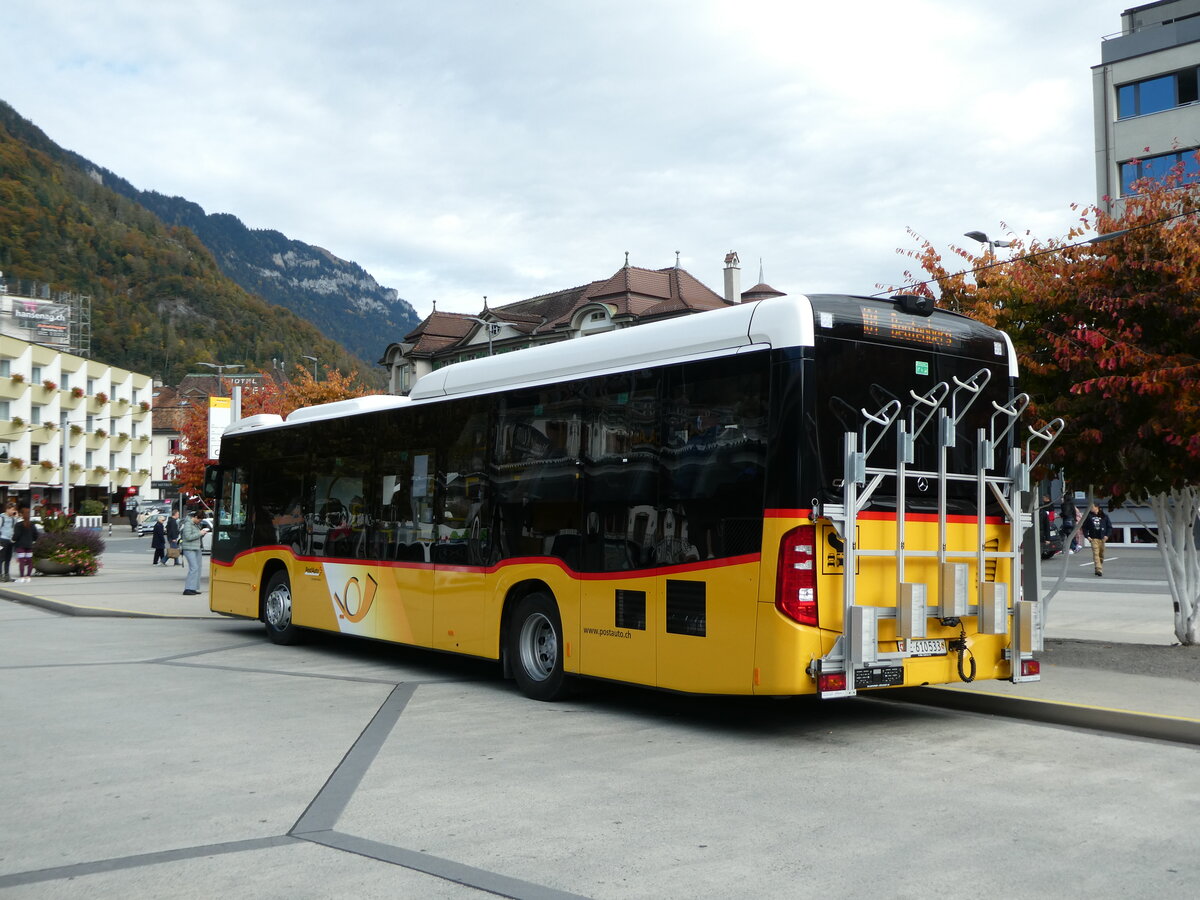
(539, 647)
(279, 608)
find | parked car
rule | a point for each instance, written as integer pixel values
(148, 515)
(1052, 543)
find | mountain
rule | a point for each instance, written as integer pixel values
(339, 297)
(160, 303)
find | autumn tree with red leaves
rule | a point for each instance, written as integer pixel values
(278, 397)
(1107, 332)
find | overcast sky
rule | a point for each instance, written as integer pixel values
(462, 148)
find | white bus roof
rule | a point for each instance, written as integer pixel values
(778, 322)
(763, 324)
(337, 409)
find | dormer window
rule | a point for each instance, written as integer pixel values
(594, 321)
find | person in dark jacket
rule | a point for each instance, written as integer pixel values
(173, 534)
(25, 532)
(1097, 528)
(158, 540)
(1069, 515)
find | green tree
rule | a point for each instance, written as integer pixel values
(1108, 336)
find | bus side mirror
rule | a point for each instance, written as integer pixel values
(212, 481)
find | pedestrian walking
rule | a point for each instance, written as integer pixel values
(173, 552)
(191, 533)
(1097, 528)
(1070, 517)
(158, 540)
(131, 512)
(8, 522)
(25, 532)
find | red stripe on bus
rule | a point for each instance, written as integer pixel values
(514, 561)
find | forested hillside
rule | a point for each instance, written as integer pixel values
(336, 295)
(159, 301)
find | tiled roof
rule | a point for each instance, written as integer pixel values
(761, 291)
(630, 291)
(438, 331)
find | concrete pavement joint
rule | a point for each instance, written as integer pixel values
(327, 807)
(317, 822)
(138, 860)
(208, 651)
(468, 876)
(258, 671)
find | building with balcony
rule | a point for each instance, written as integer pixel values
(1147, 97)
(69, 420)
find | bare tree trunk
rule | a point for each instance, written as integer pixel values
(1176, 512)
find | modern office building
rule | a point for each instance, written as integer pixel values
(1147, 97)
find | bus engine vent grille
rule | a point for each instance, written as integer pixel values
(686, 608)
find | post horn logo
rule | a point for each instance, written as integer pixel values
(357, 600)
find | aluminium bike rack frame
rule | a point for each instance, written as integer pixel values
(856, 650)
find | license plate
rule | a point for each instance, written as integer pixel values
(878, 676)
(924, 646)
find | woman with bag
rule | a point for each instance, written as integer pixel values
(158, 540)
(173, 551)
(25, 532)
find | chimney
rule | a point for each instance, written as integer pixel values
(733, 278)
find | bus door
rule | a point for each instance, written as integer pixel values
(401, 535)
(465, 618)
(532, 501)
(233, 588)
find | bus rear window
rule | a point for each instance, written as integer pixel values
(852, 376)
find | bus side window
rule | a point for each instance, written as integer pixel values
(464, 504)
(404, 527)
(716, 459)
(621, 469)
(278, 516)
(536, 479)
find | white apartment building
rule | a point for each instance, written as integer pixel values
(1147, 97)
(64, 417)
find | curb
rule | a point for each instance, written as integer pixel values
(1176, 729)
(72, 609)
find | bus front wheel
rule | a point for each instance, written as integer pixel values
(535, 648)
(277, 610)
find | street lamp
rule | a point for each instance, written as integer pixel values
(984, 239)
(220, 368)
(314, 362)
(493, 328)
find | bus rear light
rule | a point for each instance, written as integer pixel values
(796, 580)
(831, 681)
(1031, 667)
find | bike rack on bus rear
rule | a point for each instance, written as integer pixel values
(856, 652)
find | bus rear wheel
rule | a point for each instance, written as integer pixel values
(277, 610)
(535, 648)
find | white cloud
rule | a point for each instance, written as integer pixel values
(469, 148)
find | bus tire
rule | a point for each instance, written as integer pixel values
(277, 610)
(535, 648)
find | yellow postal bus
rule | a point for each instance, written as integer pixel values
(799, 495)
